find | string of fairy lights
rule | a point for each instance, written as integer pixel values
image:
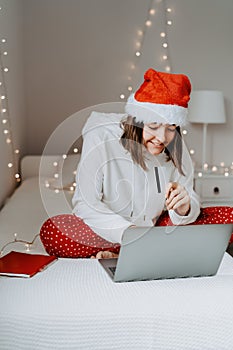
(167, 16)
(4, 110)
(13, 162)
(139, 41)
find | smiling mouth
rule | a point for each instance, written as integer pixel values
(159, 145)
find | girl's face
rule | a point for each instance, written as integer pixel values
(157, 136)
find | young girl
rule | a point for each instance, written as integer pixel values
(135, 165)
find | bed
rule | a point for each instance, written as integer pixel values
(75, 305)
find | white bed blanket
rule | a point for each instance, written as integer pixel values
(75, 305)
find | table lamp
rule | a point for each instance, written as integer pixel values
(206, 107)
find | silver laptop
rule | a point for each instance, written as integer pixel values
(169, 252)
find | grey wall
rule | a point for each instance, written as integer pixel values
(79, 52)
(201, 46)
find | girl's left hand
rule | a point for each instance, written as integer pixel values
(177, 198)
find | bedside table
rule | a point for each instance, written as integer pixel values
(214, 189)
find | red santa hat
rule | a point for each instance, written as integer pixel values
(162, 98)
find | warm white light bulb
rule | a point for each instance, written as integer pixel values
(4, 110)
(3, 40)
(6, 70)
(16, 151)
(165, 45)
(55, 163)
(148, 23)
(64, 156)
(122, 96)
(3, 97)
(168, 69)
(6, 131)
(56, 176)
(27, 245)
(164, 57)
(184, 132)
(192, 151)
(5, 53)
(8, 141)
(4, 121)
(199, 174)
(10, 165)
(130, 88)
(169, 22)
(17, 176)
(75, 150)
(162, 34)
(140, 32)
(152, 11)
(138, 53)
(169, 9)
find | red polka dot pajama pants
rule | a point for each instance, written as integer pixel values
(208, 215)
(67, 236)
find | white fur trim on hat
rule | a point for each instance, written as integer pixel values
(148, 112)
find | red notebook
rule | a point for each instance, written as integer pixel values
(17, 264)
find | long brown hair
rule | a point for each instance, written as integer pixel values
(132, 141)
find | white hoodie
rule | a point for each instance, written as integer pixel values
(113, 192)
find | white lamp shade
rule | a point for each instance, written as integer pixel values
(206, 107)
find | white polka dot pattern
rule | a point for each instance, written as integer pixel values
(67, 236)
(208, 215)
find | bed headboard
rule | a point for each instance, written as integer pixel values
(30, 165)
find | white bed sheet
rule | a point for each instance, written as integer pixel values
(75, 305)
